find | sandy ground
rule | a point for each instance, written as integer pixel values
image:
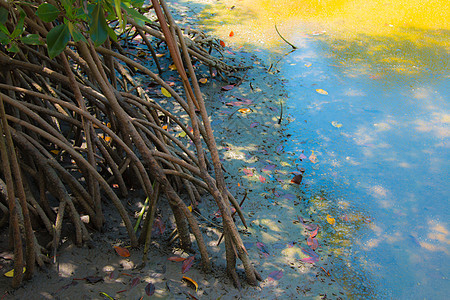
(251, 143)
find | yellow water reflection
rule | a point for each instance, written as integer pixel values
(254, 20)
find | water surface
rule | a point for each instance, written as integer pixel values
(369, 94)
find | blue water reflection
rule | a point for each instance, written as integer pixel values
(380, 132)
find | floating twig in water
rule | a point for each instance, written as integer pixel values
(284, 38)
(281, 112)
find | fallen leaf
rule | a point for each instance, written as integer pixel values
(314, 233)
(297, 179)
(173, 67)
(262, 178)
(308, 65)
(228, 87)
(313, 157)
(122, 251)
(310, 252)
(275, 275)
(191, 281)
(166, 92)
(176, 258)
(56, 152)
(11, 272)
(331, 220)
(312, 242)
(268, 168)
(262, 247)
(322, 92)
(150, 289)
(244, 110)
(254, 124)
(336, 124)
(231, 33)
(222, 43)
(135, 281)
(187, 264)
(310, 260)
(106, 295)
(302, 156)
(248, 172)
(159, 224)
(203, 80)
(182, 134)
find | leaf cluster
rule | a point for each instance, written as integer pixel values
(71, 20)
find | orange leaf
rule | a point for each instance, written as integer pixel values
(222, 43)
(203, 80)
(244, 110)
(313, 157)
(232, 33)
(122, 251)
(176, 258)
(187, 264)
(191, 281)
(331, 220)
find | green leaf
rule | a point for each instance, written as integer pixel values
(4, 29)
(4, 39)
(57, 39)
(119, 13)
(68, 7)
(98, 26)
(20, 25)
(47, 12)
(137, 3)
(112, 34)
(75, 33)
(3, 15)
(31, 39)
(139, 18)
(13, 48)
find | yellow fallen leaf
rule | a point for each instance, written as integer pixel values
(11, 272)
(244, 110)
(190, 208)
(182, 134)
(56, 152)
(160, 54)
(166, 92)
(141, 53)
(285, 164)
(203, 80)
(107, 139)
(331, 220)
(336, 124)
(190, 280)
(308, 65)
(313, 157)
(172, 67)
(322, 92)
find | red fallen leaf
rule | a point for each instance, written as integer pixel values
(314, 233)
(262, 247)
(310, 260)
(176, 258)
(150, 289)
(310, 252)
(231, 33)
(135, 281)
(297, 179)
(114, 275)
(159, 224)
(222, 43)
(302, 156)
(122, 251)
(262, 179)
(228, 87)
(248, 172)
(275, 275)
(187, 264)
(313, 243)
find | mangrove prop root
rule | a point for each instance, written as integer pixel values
(81, 125)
